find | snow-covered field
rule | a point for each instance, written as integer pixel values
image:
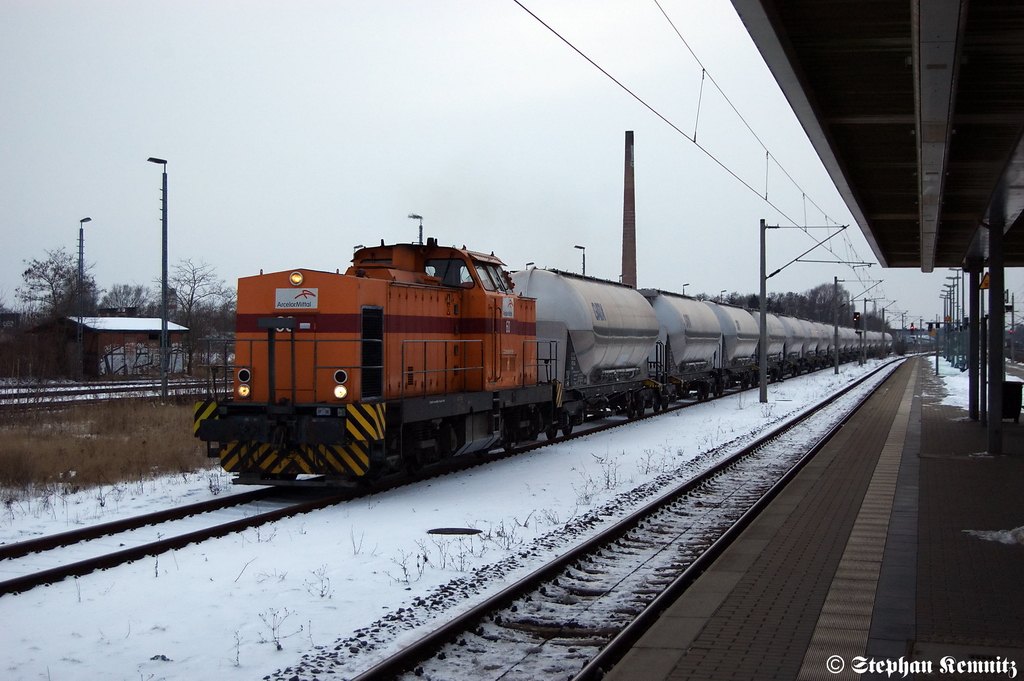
(248, 605)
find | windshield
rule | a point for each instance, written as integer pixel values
(451, 272)
(492, 277)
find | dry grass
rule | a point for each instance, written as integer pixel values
(92, 445)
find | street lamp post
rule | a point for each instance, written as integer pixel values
(584, 249)
(80, 365)
(163, 280)
(762, 344)
(684, 288)
(835, 323)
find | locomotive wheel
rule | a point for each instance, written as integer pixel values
(551, 432)
(567, 429)
(412, 464)
(508, 439)
(536, 425)
(447, 440)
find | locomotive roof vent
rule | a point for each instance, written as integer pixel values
(432, 242)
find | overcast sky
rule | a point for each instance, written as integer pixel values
(297, 130)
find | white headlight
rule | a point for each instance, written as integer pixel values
(295, 278)
(340, 392)
(243, 391)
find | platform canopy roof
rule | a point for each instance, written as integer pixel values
(916, 108)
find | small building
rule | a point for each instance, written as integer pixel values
(122, 346)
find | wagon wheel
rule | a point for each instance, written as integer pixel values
(447, 440)
(536, 424)
(567, 429)
(412, 463)
(508, 439)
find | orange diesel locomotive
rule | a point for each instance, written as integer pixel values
(416, 353)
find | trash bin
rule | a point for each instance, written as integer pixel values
(1011, 400)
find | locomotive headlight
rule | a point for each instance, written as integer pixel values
(244, 376)
(340, 392)
(295, 278)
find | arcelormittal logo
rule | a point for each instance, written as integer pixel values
(292, 299)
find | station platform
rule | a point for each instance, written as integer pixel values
(881, 559)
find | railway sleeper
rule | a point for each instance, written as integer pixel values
(585, 592)
(566, 631)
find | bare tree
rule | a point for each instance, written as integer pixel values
(205, 304)
(814, 304)
(129, 296)
(51, 287)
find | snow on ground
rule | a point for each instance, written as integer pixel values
(955, 385)
(247, 605)
(953, 381)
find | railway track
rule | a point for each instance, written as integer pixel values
(34, 562)
(45, 560)
(582, 609)
(31, 397)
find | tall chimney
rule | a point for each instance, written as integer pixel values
(629, 218)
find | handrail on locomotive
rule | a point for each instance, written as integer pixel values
(220, 374)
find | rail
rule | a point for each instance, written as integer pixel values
(29, 579)
(538, 584)
(84, 393)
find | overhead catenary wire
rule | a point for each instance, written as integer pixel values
(657, 113)
(733, 106)
(855, 257)
(770, 158)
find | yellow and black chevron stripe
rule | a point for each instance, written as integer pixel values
(205, 409)
(558, 394)
(248, 457)
(365, 422)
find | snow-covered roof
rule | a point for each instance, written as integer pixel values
(148, 324)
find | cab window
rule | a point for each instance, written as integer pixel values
(485, 277)
(500, 278)
(451, 272)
